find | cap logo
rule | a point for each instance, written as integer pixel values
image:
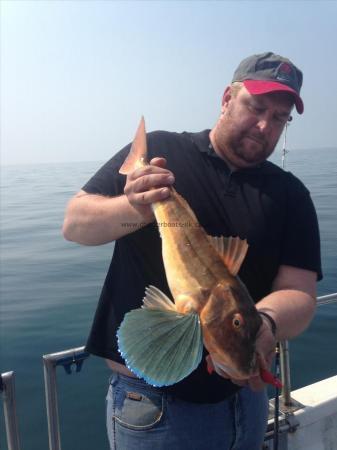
(285, 68)
(285, 73)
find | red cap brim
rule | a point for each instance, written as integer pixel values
(258, 87)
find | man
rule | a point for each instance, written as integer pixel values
(234, 191)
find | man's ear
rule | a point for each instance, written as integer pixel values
(226, 97)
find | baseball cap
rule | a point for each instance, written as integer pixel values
(268, 72)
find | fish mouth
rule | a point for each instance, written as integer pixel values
(234, 370)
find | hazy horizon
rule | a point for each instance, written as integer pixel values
(101, 161)
(77, 75)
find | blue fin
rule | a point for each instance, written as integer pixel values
(160, 344)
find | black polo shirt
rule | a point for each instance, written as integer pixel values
(269, 207)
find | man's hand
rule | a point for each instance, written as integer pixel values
(265, 349)
(147, 185)
(97, 219)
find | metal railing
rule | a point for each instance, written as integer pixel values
(76, 357)
(67, 359)
(327, 299)
(288, 405)
(285, 362)
(7, 388)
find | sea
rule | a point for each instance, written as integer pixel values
(50, 288)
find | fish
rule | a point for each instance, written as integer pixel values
(162, 341)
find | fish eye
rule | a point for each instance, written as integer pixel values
(237, 321)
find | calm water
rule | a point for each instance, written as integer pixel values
(50, 287)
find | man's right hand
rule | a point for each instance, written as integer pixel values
(93, 219)
(147, 185)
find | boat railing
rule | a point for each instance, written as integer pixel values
(285, 360)
(7, 388)
(67, 359)
(74, 359)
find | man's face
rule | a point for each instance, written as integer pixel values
(250, 126)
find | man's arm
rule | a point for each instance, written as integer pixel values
(92, 219)
(96, 219)
(291, 305)
(292, 302)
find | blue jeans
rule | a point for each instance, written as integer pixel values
(141, 417)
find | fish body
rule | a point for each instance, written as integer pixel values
(211, 305)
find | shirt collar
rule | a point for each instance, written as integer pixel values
(202, 141)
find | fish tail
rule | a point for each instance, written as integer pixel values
(159, 344)
(138, 152)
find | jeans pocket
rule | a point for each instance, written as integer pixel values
(138, 409)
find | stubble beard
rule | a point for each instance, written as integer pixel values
(242, 148)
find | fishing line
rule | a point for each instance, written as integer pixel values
(284, 148)
(276, 401)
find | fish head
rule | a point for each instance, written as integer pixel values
(230, 324)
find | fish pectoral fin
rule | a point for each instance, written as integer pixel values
(156, 299)
(232, 250)
(161, 346)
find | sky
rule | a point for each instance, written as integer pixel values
(76, 76)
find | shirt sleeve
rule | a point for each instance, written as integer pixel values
(107, 180)
(301, 242)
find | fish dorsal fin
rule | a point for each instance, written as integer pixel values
(156, 299)
(232, 250)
